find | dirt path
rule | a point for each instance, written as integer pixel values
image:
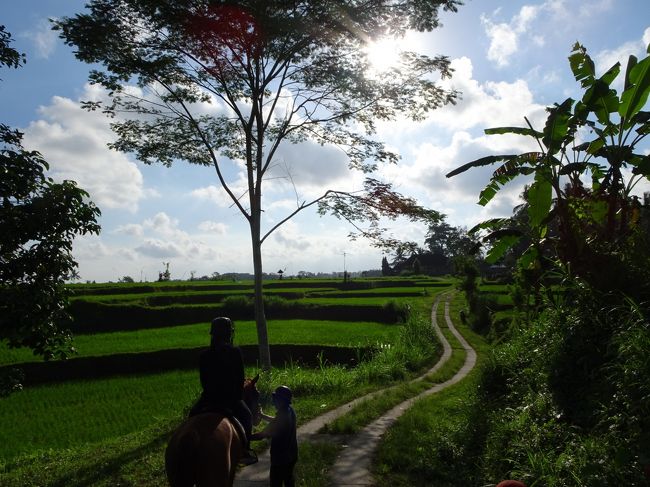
(352, 467)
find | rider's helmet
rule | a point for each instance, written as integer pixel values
(283, 393)
(222, 328)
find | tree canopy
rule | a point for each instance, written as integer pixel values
(38, 222)
(208, 82)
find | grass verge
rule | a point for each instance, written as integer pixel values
(437, 434)
(367, 411)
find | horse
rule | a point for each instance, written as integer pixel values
(205, 449)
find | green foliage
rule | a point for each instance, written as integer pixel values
(478, 304)
(592, 225)
(444, 239)
(400, 310)
(563, 402)
(38, 222)
(8, 55)
(577, 407)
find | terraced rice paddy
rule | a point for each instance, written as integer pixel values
(52, 417)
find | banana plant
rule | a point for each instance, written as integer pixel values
(592, 139)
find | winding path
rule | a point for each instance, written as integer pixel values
(352, 467)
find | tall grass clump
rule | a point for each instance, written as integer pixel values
(568, 401)
(477, 315)
(414, 348)
(242, 305)
(399, 310)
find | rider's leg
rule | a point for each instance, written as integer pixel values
(245, 417)
(243, 414)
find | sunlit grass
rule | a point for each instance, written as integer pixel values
(71, 414)
(292, 332)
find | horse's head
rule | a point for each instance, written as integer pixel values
(252, 398)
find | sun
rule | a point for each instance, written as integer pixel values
(383, 55)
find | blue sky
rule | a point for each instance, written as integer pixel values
(510, 61)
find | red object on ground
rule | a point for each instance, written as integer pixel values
(511, 483)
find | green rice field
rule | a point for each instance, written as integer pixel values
(72, 416)
(294, 332)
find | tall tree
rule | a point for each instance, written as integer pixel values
(445, 239)
(285, 71)
(385, 267)
(38, 222)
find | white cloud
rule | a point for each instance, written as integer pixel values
(212, 193)
(507, 38)
(484, 105)
(503, 42)
(90, 246)
(163, 225)
(216, 228)
(43, 38)
(128, 254)
(488, 104)
(290, 237)
(131, 229)
(593, 8)
(504, 37)
(165, 239)
(159, 249)
(320, 249)
(138, 249)
(219, 196)
(312, 168)
(605, 59)
(73, 142)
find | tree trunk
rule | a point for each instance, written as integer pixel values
(260, 317)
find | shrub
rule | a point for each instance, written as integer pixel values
(567, 401)
(397, 311)
(237, 302)
(414, 348)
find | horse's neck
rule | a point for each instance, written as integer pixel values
(250, 394)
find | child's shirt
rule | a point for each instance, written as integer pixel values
(282, 430)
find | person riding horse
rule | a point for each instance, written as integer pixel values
(221, 370)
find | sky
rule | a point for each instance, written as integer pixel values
(509, 60)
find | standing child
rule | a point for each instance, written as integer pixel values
(282, 431)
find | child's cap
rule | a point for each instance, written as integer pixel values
(284, 393)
